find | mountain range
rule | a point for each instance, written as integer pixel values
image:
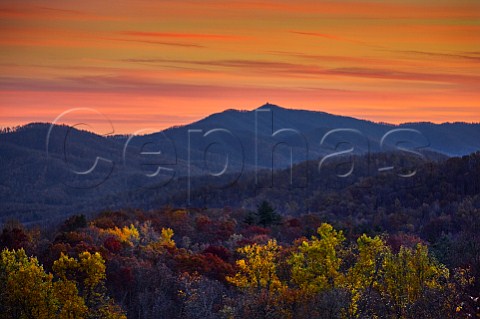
(47, 170)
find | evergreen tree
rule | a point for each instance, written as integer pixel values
(250, 218)
(266, 215)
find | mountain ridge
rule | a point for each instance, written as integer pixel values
(264, 106)
(225, 144)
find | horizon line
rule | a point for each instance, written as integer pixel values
(267, 104)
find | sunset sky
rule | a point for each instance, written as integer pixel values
(162, 63)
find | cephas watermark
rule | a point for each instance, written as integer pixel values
(150, 158)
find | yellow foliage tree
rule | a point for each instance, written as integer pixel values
(26, 291)
(366, 274)
(315, 263)
(162, 244)
(87, 275)
(128, 235)
(166, 238)
(258, 269)
(71, 305)
(408, 274)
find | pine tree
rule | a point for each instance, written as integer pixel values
(266, 215)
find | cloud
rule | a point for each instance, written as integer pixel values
(294, 69)
(337, 58)
(21, 10)
(467, 56)
(121, 85)
(204, 36)
(66, 11)
(174, 44)
(251, 67)
(332, 37)
(408, 76)
(321, 35)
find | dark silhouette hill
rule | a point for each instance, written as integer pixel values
(80, 171)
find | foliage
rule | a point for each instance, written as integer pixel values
(166, 238)
(258, 268)
(127, 235)
(315, 263)
(302, 268)
(27, 291)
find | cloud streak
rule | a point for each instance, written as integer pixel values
(392, 59)
(293, 69)
(198, 36)
(326, 36)
(444, 55)
(173, 44)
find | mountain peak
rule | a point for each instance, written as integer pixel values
(270, 106)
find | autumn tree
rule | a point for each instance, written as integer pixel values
(15, 236)
(258, 268)
(87, 274)
(76, 292)
(26, 291)
(315, 263)
(409, 274)
(364, 277)
(129, 236)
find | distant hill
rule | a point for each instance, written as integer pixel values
(35, 184)
(302, 127)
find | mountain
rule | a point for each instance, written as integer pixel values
(83, 171)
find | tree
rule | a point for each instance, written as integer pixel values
(200, 296)
(266, 215)
(262, 289)
(366, 273)
(258, 269)
(73, 223)
(409, 275)
(315, 263)
(26, 291)
(127, 235)
(87, 274)
(15, 236)
(166, 238)
(250, 218)
(71, 305)
(76, 292)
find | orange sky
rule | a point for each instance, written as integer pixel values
(161, 63)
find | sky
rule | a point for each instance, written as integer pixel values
(154, 64)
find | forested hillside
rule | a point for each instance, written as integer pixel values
(236, 263)
(43, 167)
(381, 235)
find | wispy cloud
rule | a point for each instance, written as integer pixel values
(196, 57)
(124, 85)
(202, 36)
(324, 35)
(338, 58)
(22, 10)
(407, 76)
(66, 11)
(333, 37)
(173, 44)
(298, 69)
(467, 56)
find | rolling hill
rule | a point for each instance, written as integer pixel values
(82, 170)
